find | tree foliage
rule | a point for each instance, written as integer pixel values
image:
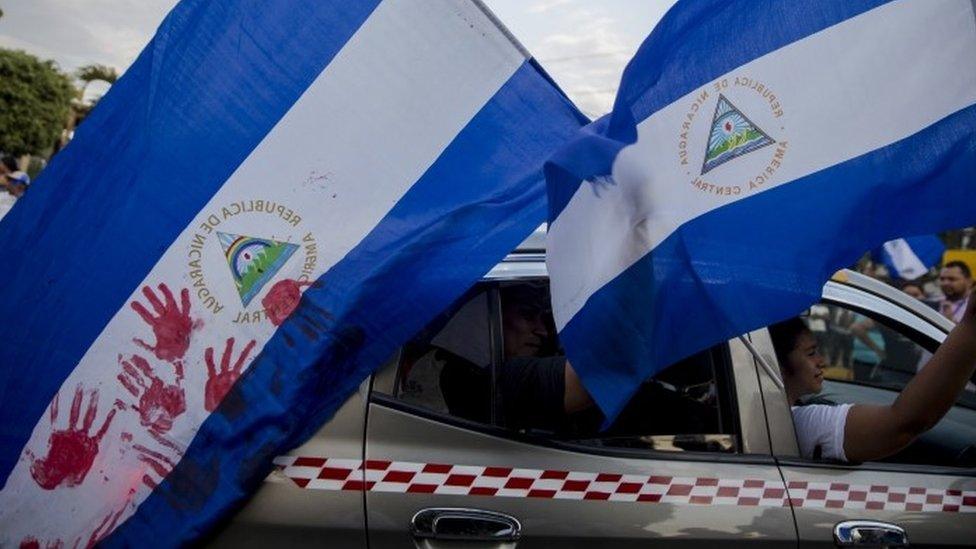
(92, 73)
(34, 101)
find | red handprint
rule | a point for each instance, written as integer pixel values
(71, 451)
(159, 404)
(31, 542)
(282, 299)
(218, 383)
(104, 528)
(158, 462)
(171, 327)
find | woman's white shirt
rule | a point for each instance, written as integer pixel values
(820, 425)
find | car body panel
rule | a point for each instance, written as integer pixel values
(849, 491)
(752, 413)
(398, 434)
(283, 513)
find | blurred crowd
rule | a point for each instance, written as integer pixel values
(13, 183)
(859, 348)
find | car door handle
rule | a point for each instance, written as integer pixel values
(464, 524)
(869, 533)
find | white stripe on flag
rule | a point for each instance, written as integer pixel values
(907, 50)
(367, 128)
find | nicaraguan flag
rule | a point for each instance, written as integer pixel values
(755, 147)
(910, 258)
(273, 197)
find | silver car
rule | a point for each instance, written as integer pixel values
(433, 451)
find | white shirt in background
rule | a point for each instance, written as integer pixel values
(7, 201)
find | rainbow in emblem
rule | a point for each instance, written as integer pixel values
(253, 261)
(732, 135)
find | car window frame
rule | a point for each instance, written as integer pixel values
(384, 394)
(900, 319)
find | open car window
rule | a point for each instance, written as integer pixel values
(494, 359)
(870, 360)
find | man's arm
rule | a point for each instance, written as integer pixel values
(875, 432)
(576, 397)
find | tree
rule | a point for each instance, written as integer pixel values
(92, 73)
(79, 108)
(35, 98)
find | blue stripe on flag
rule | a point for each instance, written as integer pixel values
(682, 55)
(456, 220)
(154, 135)
(770, 266)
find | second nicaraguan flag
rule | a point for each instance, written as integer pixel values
(754, 148)
(910, 258)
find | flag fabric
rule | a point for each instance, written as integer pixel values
(755, 146)
(909, 258)
(272, 198)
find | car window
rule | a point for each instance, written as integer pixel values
(454, 351)
(869, 361)
(871, 351)
(495, 359)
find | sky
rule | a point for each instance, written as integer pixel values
(583, 44)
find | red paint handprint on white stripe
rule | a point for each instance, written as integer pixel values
(71, 451)
(220, 381)
(159, 403)
(171, 325)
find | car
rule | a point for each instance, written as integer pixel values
(427, 453)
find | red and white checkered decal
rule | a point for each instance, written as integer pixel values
(317, 473)
(838, 495)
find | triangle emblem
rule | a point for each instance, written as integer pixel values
(253, 261)
(732, 135)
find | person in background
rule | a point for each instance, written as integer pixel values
(864, 432)
(914, 290)
(917, 290)
(841, 341)
(13, 184)
(867, 349)
(956, 282)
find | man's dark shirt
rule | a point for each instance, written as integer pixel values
(530, 391)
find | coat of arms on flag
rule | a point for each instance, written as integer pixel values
(253, 261)
(732, 135)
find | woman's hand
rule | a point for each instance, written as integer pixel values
(875, 432)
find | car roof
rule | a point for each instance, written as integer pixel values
(535, 243)
(528, 261)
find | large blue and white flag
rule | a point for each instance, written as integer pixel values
(272, 198)
(755, 147)
(911, 257)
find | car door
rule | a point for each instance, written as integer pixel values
(289, 509)
(929, 489)
(441, 469)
